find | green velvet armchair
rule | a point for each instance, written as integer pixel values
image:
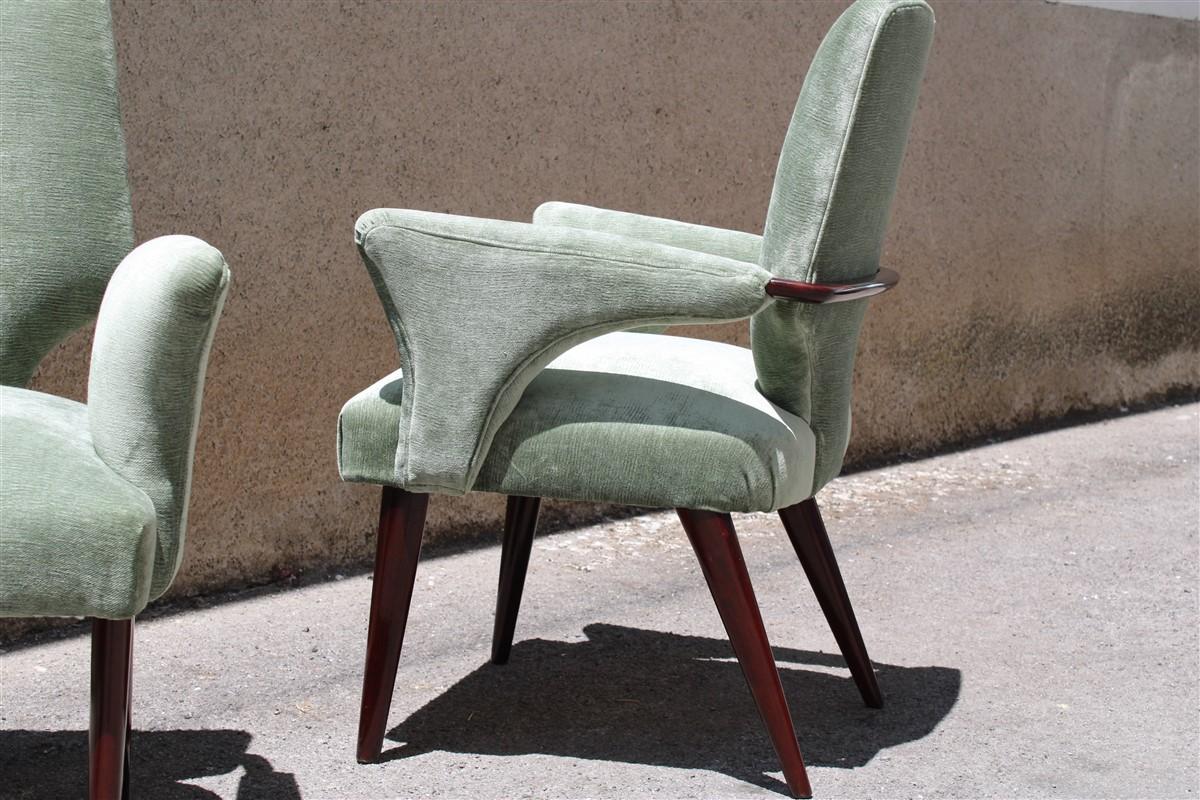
(527, 369)
(93, 498)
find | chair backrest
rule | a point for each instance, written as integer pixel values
(65, 220)
(829, 208)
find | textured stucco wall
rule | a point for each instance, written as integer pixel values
(1046, 224)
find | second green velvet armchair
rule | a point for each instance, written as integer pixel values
(93, 498)
(523, 374)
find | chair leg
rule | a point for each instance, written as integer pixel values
(520, 521)
(108, 735)
(716, 545)
(401, 520)
(807, 532)
(126, 785)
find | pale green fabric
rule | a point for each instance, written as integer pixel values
(150, 353)
(77, 482)
(93, 498)
(479, 307)
(701, 238)
(64, 198)
(471, 301)
(75, 537)
(829, 208)
(659, 421)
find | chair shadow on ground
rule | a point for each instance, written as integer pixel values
(54, 764)
(662, 699)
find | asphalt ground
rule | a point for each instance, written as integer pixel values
(1031, 607)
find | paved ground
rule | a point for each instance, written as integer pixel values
(1031, 607)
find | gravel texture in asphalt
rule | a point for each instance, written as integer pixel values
(1031, 608)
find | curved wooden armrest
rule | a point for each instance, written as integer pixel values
(787, 289)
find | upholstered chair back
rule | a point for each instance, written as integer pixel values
(65, 219)
(829, 208)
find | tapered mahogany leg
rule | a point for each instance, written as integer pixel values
(126, 789)
(108, 736)
(401, 520)
(520, 520)
(807, 532)
(716, 546)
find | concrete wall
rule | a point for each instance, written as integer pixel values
(1046, 223)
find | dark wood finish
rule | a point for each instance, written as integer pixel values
(108, 735)
(716, 545)
(520, 521)
(401, 520)
(807, 532)
(788, 289)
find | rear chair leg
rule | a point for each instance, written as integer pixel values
(401, 520)
(520, 521)
(807, 532)
(716, 545)
(108, 735)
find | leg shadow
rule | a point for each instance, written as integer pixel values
(38, 765)
(663, 699)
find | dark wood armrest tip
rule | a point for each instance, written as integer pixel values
(787, 289)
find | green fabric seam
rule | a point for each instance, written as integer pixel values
(567, 251)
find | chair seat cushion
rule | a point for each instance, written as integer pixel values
(76, 539)
(631, 418)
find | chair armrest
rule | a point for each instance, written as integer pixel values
(787, 289)
(479, 307)
(701, 238)
(153, 335)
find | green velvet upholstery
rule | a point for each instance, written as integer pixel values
(93, 499)
(149, 356)
(829, 208)
(64, 198)
(76, 537)
(714, 241)
(679, 423)
(480, 308)
(701, 238)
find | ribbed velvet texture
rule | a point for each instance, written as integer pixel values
(479, 307)
(829, 209)
(65, 221)
(93, 499)
(149, 357)
(658, 421)
(701, 238)
(75, 537)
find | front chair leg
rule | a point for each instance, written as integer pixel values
(108, 735)
(401, 520)
(716, 545)
(520, 520)
(807, 532)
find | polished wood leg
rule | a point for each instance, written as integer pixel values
(716, 545)
(108, 735)
(807, 532)
(401, 520)
(126, 789)
(520, 521)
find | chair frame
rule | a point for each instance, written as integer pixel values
(714, 539)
